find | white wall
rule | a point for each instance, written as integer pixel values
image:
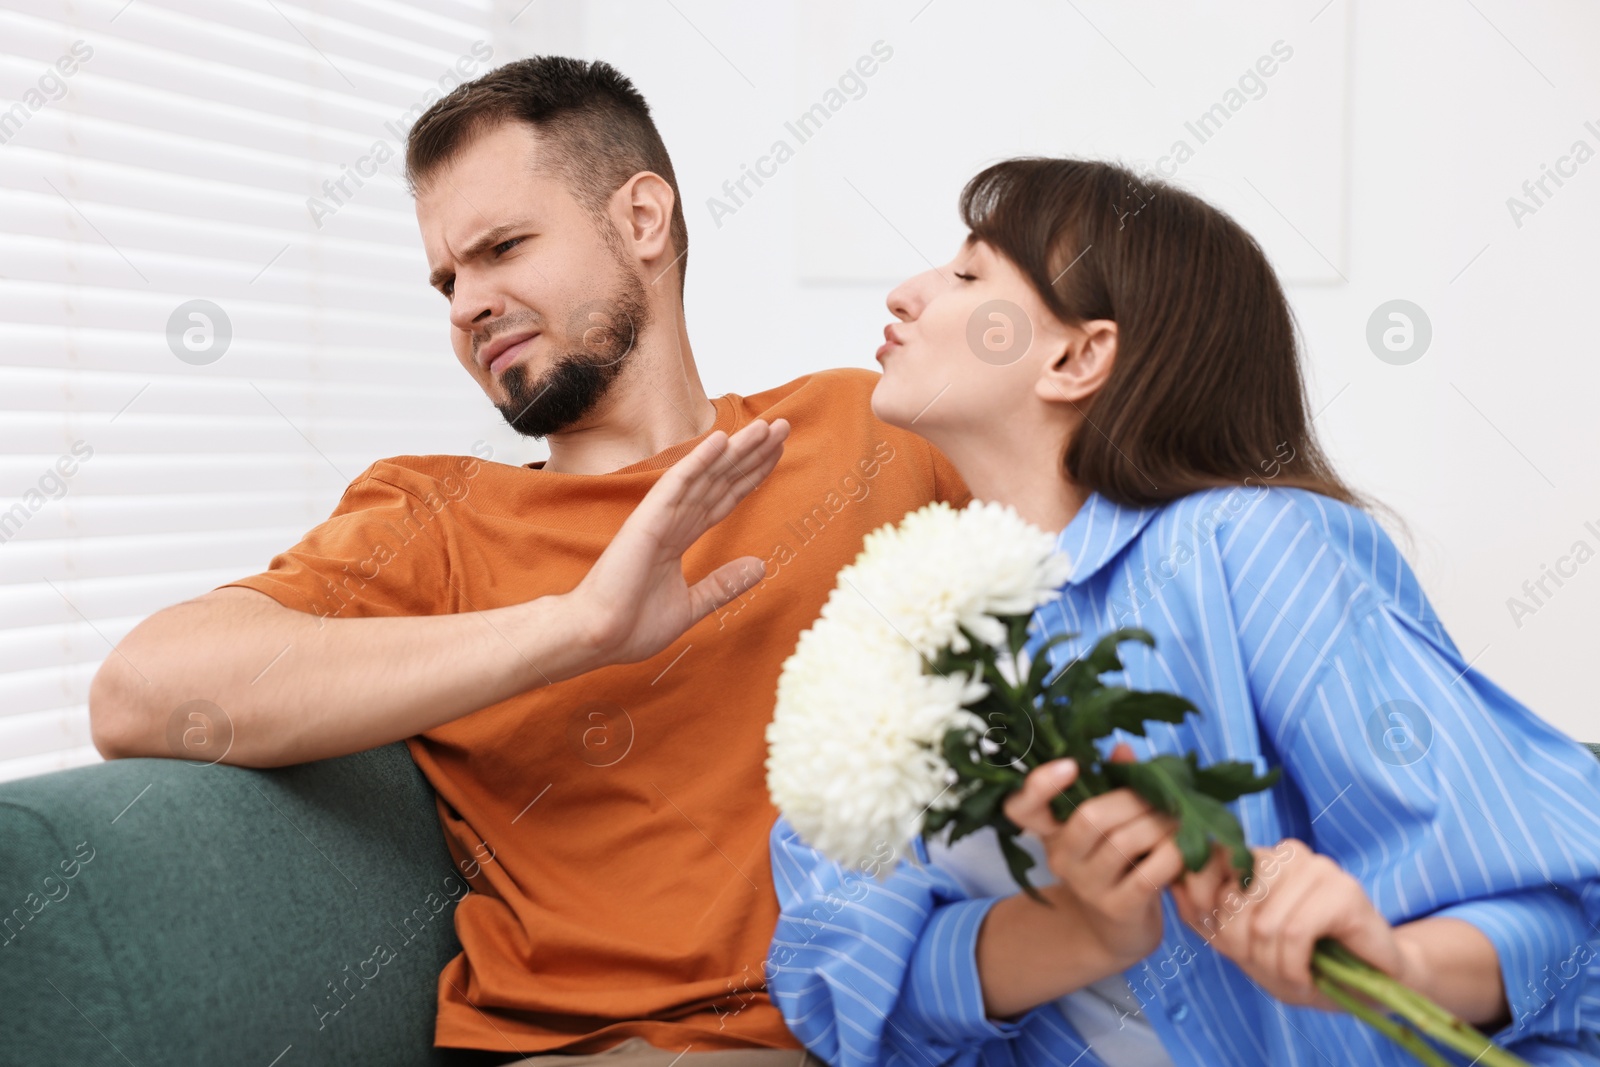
(1434, 111)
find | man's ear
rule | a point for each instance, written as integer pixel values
(1080, 366)
(645, 203)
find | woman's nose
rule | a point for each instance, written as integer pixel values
(899, 304)
(907, 299)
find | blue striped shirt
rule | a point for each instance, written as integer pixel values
(1295, 625)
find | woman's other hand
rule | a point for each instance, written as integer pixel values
(1271, 929)
(1112, 857)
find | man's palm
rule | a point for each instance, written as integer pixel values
(637, 586)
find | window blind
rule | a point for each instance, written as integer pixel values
(213, 312)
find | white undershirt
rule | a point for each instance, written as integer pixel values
(1106, 1014)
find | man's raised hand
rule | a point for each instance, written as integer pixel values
(635, 596)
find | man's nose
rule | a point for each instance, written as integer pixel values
(472, 304)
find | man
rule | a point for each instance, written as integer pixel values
(593, 724)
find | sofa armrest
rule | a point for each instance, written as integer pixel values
(158, 911)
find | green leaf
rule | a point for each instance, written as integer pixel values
(1102, 657)
(1068, 715)
(962, 825)
(1134, 709)
(1059, 712)
(1016, 632)
(1168, 783)
(1193, 843)
(1018, 861)
(1083, 672)
(1049, 742)
(984, 802)
(1102, 710)
(1091, 713)
(936, 819)
(1038, 667)
(1233, 779)
(1041, 661)
(1063, 804)
(961, 753)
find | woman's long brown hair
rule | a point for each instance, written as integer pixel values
(1206, 390)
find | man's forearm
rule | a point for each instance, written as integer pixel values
(294, 687)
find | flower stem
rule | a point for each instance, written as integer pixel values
(1399, 1033)
(1338, 967)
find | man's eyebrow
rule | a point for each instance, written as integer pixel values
(474, 248)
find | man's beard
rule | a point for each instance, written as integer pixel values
(578, 380)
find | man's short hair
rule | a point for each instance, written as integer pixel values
(594, 125)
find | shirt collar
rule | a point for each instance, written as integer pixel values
(1097, 533)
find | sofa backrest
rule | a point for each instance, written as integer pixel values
(158, 911)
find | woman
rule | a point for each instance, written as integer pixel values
(1115, 359)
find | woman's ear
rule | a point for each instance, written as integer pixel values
(1081, 363)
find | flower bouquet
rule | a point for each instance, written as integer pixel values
(911, 707)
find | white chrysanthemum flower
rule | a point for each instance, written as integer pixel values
(941, 568)
(855, 759)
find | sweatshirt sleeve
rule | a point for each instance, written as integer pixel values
(383, 551)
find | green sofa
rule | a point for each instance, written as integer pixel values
(158, 912)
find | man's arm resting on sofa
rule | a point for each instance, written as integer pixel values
(296, 687)
(337, 686)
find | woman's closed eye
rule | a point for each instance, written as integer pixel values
(966, 277)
